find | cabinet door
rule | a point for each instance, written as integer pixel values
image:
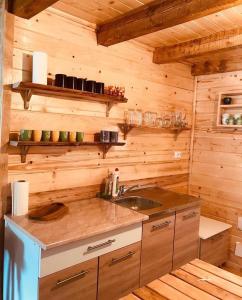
(215, 250)
(157, 249)
(186, 242)
(76, 283)
(119, 272)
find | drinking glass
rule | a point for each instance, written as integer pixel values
(138, 117)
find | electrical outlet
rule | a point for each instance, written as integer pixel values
(177, 154)
(240, 222)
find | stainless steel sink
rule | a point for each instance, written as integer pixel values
(137, 203)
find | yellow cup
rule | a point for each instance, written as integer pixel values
(55, 135)
(72, 136)
(37, 134)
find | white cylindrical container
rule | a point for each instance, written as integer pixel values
(39, 71)
(20, 197)
(115, 186)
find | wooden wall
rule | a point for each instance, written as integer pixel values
(71, 47)
(216, 174)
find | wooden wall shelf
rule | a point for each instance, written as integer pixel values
(127, 128)
(24, 146)
(235, 106)
(27, 89)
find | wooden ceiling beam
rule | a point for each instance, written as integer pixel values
(214, 43)
(28, 8)
(157, 15)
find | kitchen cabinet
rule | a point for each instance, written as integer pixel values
(78, 282)
(157, 249)
(119, 272)
(186, 240)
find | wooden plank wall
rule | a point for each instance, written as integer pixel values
(216, 174)
(72, 49)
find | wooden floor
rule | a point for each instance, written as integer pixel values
(195, 280)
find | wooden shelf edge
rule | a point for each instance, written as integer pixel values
(25, 146)
(27, 89)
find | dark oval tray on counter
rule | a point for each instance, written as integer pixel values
(49, 212)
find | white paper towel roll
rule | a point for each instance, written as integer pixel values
(39, 74)
(20, 197)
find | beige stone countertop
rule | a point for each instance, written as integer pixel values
(86, 218)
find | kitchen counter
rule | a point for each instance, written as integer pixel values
(86, 218)
(170, 201)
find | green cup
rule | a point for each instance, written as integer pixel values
(64, 136)
(80, 136)
(25, 135)
(46, 135)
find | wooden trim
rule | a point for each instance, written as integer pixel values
(28, 8)
(156, 16)
(213, 43)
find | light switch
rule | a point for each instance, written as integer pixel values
(240, 222)
(177, 154)
(238, 249)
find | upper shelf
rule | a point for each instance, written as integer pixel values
(27, 89)
(126, 128)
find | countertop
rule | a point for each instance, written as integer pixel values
(170, 201)
(86, 218)
(210, 227)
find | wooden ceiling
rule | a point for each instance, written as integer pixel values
(101, 11)
(211, 43)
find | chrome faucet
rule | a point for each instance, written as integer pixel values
(123, 190)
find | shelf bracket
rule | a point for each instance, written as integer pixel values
(23, 152)
(105, 149)
(26, 96)
(109, 106)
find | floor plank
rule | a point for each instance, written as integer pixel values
(205, 286)
(215, 280)
(167, 291)
(217, 271)
(146, 293)
(186, 288)
(130, 297)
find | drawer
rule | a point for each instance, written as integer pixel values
(62, 257)
(215, 250)
(119, 272)
(155, 227)
(77, 283)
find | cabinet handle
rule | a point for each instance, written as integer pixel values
(189, 216)
(107, 243)
(81, 274)
(117, 260)
(160, 226)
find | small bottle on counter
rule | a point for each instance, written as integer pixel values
(115, 183)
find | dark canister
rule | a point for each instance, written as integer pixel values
(81, 84)
(71, 82)
(60, 80)
(90, 86)
(227, 100)
(113, 136)
(99, 88)
(104, 136)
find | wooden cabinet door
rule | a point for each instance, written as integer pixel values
(186, 242)
(119, 272)
(75, 283)
(157, 249)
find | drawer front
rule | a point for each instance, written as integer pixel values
(157, 249)
(186, 241)
(76, 283)
(62, 257)
(119, 272)
(215, 250)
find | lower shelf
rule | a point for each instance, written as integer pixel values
(24, 146)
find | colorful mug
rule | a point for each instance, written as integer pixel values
(64, 136)
(55, 135)
(80, 136)
(46, 135)
(72, 136)
(37, 134)
(25, 135)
